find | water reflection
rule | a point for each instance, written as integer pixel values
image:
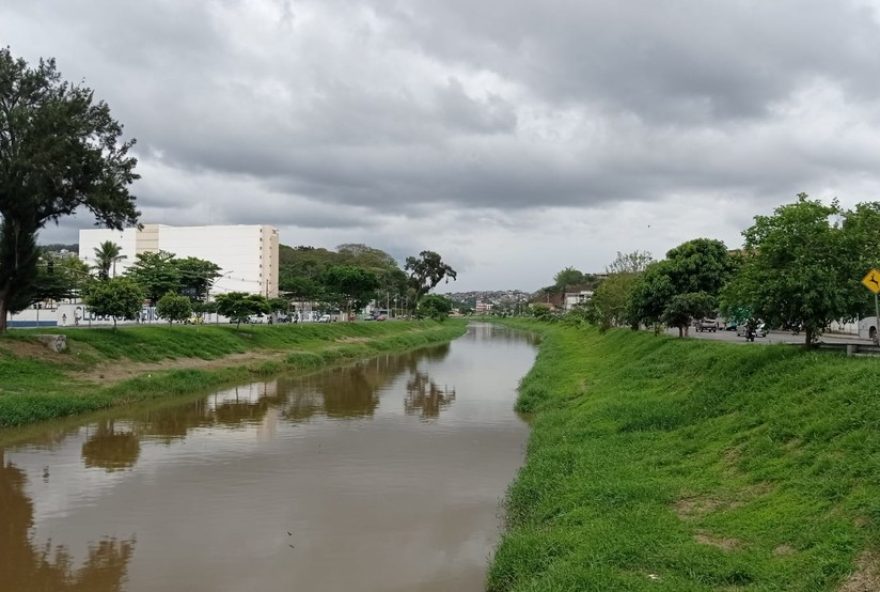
(349, 392)
(348, 460)
(26, 565)
(111, 449)
(425, 398)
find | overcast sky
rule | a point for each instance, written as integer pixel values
(515, 138)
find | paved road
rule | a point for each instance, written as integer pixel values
(772, 337)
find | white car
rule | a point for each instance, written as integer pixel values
(324, 319)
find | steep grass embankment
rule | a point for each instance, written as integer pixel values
(682, 465)
(104, 367)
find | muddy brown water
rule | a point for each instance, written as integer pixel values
(383, 476)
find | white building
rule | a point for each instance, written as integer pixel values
(573, 299)
(247, 254)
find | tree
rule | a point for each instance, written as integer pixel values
(106, 256)
(434, 306)
(425, 272)
(798, 271)
(609, 305)
(697, 266)
(197, 276)
(635, 262)
(567, 277)
(349, 287)
(173, 307)
(683, 308)
(59, 151)
(238, 306)
(116, 298)
(157, 273)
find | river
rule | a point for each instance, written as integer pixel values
(386, 475)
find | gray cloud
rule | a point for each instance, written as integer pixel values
(427, 123)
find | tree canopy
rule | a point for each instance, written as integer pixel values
(60, 150)
(425, 272)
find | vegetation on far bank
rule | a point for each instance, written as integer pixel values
(690, 466)
(38, 385)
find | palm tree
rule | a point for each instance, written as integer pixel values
(106, 256)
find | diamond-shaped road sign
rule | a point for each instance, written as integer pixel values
(872, 281)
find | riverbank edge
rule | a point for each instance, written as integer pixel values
(343, 343)
(657, 463)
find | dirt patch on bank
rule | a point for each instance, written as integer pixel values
(353, 340)
(723, 543)
(32, 349)
(120, 370)
(866, 578)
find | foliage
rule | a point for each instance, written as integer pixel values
(238, 306)
(632, 263)
(174, 307)
(349, 287)
(567, 277)
(119, 298)
(196, 276)
(798, 271)
(278, 304)
(59, 151)
(425, 272)
(54, 280)
(106, 256)
(156, 273)
(710, 466)
(434, 306)
(683, 308)
(609, 305)
(541, 311)
(697, 266)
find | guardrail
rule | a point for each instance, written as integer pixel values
(852, 349)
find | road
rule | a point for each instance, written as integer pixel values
(772, 337)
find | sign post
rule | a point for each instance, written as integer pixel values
(872, 282)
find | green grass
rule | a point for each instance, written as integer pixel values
(682, 465)
(39, 388)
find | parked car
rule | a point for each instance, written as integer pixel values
(324, 319)
(706, 325)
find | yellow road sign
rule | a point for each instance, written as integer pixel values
(872, 281)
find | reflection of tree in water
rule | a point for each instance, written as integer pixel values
(25, 566)
(351, 391)
(110, 449)
(424, 397)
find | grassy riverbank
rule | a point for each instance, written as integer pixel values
(681, 465)
(104, 367)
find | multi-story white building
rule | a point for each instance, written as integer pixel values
(247, 254)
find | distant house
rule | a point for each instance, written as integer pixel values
(573, 299)
(483, 307)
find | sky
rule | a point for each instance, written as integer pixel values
(513, 137)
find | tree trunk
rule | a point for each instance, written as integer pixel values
(808, 337)
(3, 308)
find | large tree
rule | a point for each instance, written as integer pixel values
(118, 298)
(699, 266)
(348, 287)
(197, 276)
(799, 270)
(60, 150)
(425, 272)
(157, 274)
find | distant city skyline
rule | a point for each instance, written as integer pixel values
(514, 139)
